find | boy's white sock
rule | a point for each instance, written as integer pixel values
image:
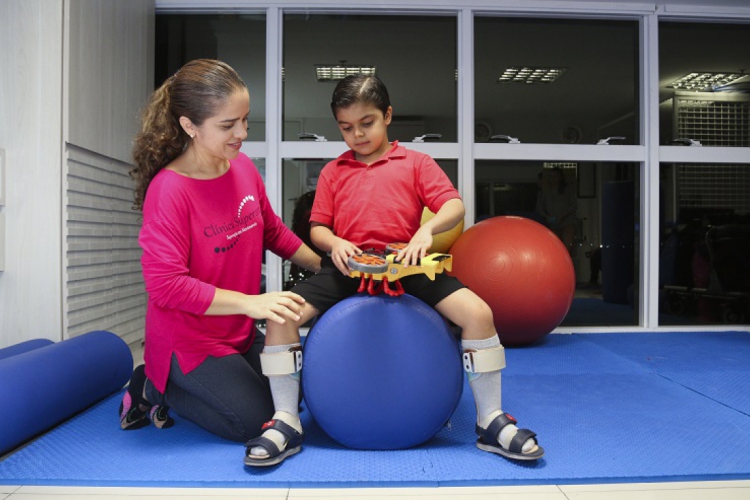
(487, 390)
(285, 393)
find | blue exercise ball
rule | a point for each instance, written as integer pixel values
(381, 373)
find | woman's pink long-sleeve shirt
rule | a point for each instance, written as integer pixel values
(199, 235)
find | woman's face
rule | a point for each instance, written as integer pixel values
(221, 135)
(365, 130)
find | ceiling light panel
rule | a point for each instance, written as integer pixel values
(335, 72)
(705, 80)
(529, 74)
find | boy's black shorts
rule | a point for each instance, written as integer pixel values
(329, 287)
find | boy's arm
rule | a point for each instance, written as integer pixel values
(340, 249)
(446, 218)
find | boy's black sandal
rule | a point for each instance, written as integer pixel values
(488, 440)
(275, 456)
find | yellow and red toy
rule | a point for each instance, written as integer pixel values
(376, 270)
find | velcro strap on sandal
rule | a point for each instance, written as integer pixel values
(484, 360)
(516, 444)
(287, 430)
(489, 435)
(282, 363)
(292, 437)
(265, 443)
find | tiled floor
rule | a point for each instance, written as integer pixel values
(719, 490)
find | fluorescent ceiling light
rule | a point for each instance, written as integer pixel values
(528, 74)
(335, 72)
(705, 80)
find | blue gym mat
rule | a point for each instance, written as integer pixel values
(624, 407)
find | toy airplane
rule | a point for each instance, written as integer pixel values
(372, 267)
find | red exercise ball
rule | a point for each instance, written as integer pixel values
(522, 270)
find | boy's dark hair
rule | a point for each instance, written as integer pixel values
(360, 88)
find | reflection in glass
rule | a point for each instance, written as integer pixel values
(704, 262)
(715, 111)
(414, 56)
(594, 209)
(237, 39)
(594, 94)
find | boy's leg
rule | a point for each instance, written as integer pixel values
(485, 357)
(321, 292)
(281, 361)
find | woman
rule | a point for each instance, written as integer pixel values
(206, 223)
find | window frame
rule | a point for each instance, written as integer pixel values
(648, 154)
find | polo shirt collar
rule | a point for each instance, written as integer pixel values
(396, 151)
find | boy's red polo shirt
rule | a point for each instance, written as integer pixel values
(373, 205)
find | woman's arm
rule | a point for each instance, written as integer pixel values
(274, 306)
(305, 258)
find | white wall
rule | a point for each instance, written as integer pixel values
(110, 58)
(31, 39)
(73, 77)
(109, 77)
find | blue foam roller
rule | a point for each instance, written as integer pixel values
(23, 347)
(381, 373)
(45, 386)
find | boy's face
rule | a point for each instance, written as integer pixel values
(365, 130)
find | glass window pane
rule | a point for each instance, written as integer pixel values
(237, 39)
(703, 88)
(593, 66)
(704, 263)
(299, 181)
(450, 167)
(600, 230)
(414, 56)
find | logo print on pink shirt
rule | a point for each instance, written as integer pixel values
(241, 223)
